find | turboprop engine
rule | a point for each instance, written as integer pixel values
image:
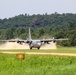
(19, 42)
(54, 40)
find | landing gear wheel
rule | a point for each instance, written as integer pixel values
(30, 47)
(38, 48)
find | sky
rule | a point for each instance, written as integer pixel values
(11, 8)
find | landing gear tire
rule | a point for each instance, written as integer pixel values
(30, 47)
(38, 48)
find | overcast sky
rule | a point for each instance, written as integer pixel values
(11, 8)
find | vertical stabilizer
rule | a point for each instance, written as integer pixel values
(29, 36)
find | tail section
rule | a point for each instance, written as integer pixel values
(29, 36)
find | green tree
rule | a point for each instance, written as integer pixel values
(41, 32)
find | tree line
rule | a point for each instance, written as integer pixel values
(42, 26)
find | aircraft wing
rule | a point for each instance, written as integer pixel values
(61, 39)
(4, 40)
(28, 41)
(11, 40)
(52, 40)
(18, 41)
(47, 40)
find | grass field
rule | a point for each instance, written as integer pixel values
(39, 65)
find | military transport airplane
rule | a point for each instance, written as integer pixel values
(34, 43)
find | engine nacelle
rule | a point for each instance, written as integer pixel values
(54, 41)
(26, 41)
(48, 43)
(19, 42)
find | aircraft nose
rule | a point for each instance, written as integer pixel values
(39, 44)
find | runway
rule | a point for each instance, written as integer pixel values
(40, 53)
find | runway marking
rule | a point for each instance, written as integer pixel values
(40, 53)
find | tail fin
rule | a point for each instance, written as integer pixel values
(29, 36)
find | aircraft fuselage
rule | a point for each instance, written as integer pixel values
(35, 44)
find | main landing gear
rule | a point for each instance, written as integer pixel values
(37, 48)
(30, 47)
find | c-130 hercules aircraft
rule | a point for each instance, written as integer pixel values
(34, 43)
